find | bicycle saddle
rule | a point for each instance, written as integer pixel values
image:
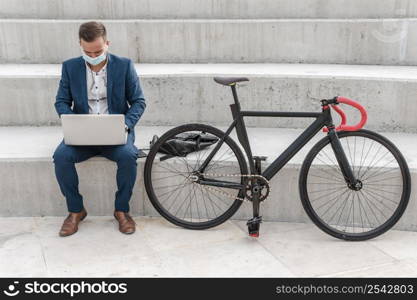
(229, 80)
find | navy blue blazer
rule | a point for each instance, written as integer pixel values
(123, 88)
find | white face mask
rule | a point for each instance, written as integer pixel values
(94, 60)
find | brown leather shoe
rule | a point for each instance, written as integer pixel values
(126, 223)
(70, 225)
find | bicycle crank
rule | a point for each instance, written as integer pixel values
(257, 189)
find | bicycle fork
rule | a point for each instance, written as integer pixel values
(342, 161)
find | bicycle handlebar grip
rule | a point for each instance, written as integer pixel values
(343, 126)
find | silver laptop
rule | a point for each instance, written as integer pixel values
(94, 129)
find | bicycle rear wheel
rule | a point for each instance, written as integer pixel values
(369, 209)
(185, 203)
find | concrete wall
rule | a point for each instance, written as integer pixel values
(173, 98)
(128, 9)
(363, 41)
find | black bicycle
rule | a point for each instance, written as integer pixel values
(354, 184)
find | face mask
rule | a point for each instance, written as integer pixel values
(94, 60)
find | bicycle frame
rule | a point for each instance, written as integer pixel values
(322, 119)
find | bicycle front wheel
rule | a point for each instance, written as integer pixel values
(180, 199)
(364, 211)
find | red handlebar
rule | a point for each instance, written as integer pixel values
(343, 126)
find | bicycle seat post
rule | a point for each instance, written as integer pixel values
(233, 86)
(258, 166)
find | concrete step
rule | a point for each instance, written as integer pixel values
(128, 9)
(29, 186)
(177, 91)
(341, 41)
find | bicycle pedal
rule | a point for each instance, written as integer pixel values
(253, 226)
(254, 234)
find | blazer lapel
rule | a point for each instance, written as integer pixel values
(110, 76)
(83, 85)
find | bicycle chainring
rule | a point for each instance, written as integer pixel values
(261, 184)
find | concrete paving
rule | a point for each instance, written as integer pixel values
(32, 247)
(338, 41)
(175, 91)
(128, 9)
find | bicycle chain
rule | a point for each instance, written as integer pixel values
(233, 175)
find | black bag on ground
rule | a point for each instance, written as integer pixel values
(184, 143)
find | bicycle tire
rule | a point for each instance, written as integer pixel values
(149, 164)
(329, 228)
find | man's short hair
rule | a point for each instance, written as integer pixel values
(90, 31)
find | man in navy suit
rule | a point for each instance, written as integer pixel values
(98, 82)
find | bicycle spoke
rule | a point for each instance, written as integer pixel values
(177, 192)
(340, 206)
(366, 155)
(327, 178)
(204, 202)
(329, 201)
(184, 199)
(381, 173)
(337, 172)
(215, 195)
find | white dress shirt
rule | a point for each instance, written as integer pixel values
(97, 90)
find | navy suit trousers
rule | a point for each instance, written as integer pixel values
(65, 157)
